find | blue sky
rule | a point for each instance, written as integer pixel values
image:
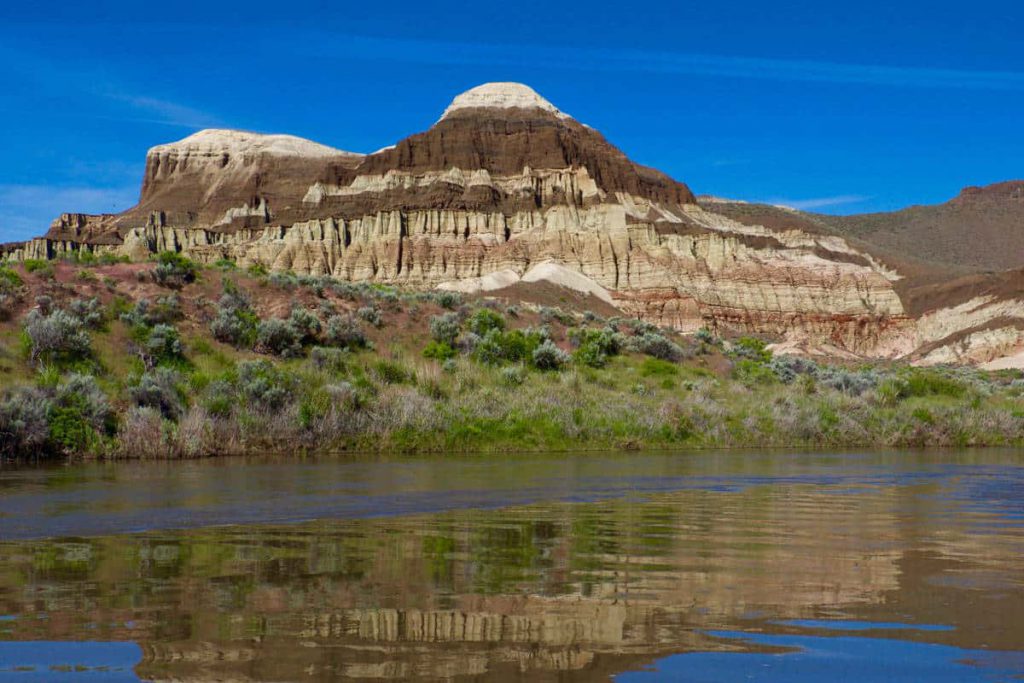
(848, 108)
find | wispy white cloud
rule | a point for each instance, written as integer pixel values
(653, 61)
(97, 81)
(27, 210)
(819, 202)
(165, 112)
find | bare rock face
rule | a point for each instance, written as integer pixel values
(506, 188)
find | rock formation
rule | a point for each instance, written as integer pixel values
(506, 189)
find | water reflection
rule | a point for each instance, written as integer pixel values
(556, 590)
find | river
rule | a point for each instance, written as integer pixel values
(706, 566)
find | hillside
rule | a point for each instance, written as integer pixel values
(507, 190)
(171, 359)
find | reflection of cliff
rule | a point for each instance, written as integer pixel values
(550, 592)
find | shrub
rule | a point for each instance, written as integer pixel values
(594, 347)
(484, 320)
(705, 336)
(306, 324)
(82, 392)
(656, 345)
(449, 300)
(547, 356)
(751, 372)
(9, 279)
(548, 314)
(345, 331)
(24, 423)
(10, 291)
(40, 266)
(371, 315)
(513, 376)
(162, 345)
(78, 415)
(264, 385)
(219, 399)
(788, 368)
(852, 383)
(159, 389)
(333, 361)
(279, 337)
(640, 327)
(69, 430)
(174, 270)
(445, 328)
(235, 323)
(751, 348)
(283, 280)
(89, 312)
(167, 309)
(55, 337)
(439, 351)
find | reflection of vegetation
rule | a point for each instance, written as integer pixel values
(580, 571)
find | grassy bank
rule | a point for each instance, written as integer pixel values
(169, 360)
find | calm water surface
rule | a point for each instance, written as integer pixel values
(894, 566)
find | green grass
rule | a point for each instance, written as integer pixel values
(405, 392)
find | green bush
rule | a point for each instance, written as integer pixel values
(752, 372)
(88, 311)
(264, 385)
(439, 351)
(306, 324)
(330, 360)
(174, 270)
(751, 348)
(33, 265)
(547, 356)
(279, 337)
(9, 279)
(56, 337)
(160, 389)
(345, 332)
(69, 431)
(235, 323)
(162, 345)
(514, 346)
(449, 300)
(80, 414)
(371, 315)
(656, 345)
(484, 320)
(513, 376)
(167, 309)
(24, 423)
(445, 328)
(594, 347)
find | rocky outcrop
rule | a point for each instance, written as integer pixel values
(505, 188)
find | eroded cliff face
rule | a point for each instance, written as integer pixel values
(505, 188)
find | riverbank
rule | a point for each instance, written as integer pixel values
(174, 360)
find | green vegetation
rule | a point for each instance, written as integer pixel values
(237, 361)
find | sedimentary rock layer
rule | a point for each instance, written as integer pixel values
(506, 188)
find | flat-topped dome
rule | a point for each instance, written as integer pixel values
(501, 96)
(218, 140)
